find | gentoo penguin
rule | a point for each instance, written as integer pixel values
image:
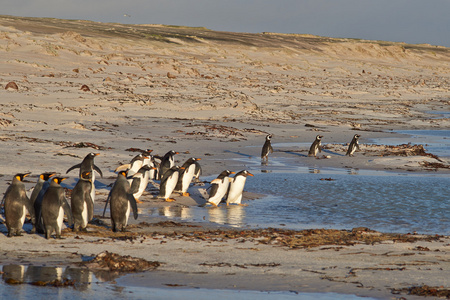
(16, 205)
(316, 146)
(36, 198)
(121, 202)
(186, 175)
(54, 205)
(87, 165)
(354, 144)
(81, 202)
(219, 187)
(237, 187)
(167, 162)
(169, 182)
(267, 148)
(141, 179)
(198, 172)
(135, 164)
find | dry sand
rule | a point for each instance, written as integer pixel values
(211, 95)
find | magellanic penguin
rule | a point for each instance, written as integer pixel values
(186, 175)
(81, 202)
(267, 148)
(121, 202)
(354, 144)
(219, 187)
(36, 198)
(316, 146)
(87, 165)
(237, 187)
(54, 205)
(169, 182)
(16, 205)
(167, 162)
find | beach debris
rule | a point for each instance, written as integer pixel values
(117, 263)
(327, 179)
(171, 76)
(11, 86)
(424, 290)
(85, 88)
(434, 165)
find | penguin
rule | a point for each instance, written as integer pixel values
(36, 198)
(219, 187)
(87, 165)
(354, 144)
(16, 202)
(135, 164)
(198, 172)
(168, 183)
(167, 162)
(81, 202)
(186, 175)
(237, 187)
(122, 201)
(54, 205)
(141, 179)
(267, 148)
(316, 146)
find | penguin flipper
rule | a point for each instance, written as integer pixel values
(133, 205)
(67, 211)
(135, 185)
(90, 206)
(106, 203)
(30, 208)
(270, 149)
(74, 167)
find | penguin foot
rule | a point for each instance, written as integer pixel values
(139, 201)
(170, 200)
(186, 194)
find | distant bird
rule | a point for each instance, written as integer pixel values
(316, 146)
(54, 205)
(354, 144)
(237, 187)
(17, 204)
(169, 182)
(122, 202)
(267, 148)
(219, 187)
(186, 176)
(127, 15)
(81, 202)
(167, 162)
(87, 165)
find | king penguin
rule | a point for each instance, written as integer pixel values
(16, 205)
(354, 144)
(237, 187)
(36, 198)
(87, 165)
(219, 187)
(267, 148)
(167, 162)
(168, 183)
(121, 202)
(316, 146)
(81, 202)
(186, 176)
(54, 205)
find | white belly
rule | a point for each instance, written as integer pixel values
(22, 218)
(221, 191)
(93, 187)
(236, 189)
(170, 184)
(127, 213)
(187, 178)
(84, 215)
(60, 218)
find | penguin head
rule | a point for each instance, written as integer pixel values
(58, 180)
(244, 173)
(269, 137)
(21, 176)
(92, 154)
(356, 136)
(46, 176)
(147, 152)
(319, 137)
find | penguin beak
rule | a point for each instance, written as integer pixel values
(96, 154)
(197, 159)
(26, 174)
(232, 172)
(250, 174)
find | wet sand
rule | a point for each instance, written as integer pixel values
(215, 95)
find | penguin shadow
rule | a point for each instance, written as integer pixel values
(295, 153)
(332, 152)
(239, 153)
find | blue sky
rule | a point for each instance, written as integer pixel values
(410, 21)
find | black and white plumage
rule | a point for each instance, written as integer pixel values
(219, 187)
(121, 201)
(237, 187)
(316, 146)
(167, 162)
(169, 182)
(54, 205)
(87, 165)
(17, 204)
(267, 148)
(81, 202)
(186, 175)
(36, 198)
(354, 144)
(140, 179)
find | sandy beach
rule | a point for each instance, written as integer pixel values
(116, 89)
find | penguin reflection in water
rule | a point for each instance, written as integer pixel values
(16, 205)
(316, 146)
(54, 205)
(237, 187)
(121, 202)
(81, 202)
(266, 149)
(219, 187)
(354, 144)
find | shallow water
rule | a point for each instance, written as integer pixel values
(89, 285)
